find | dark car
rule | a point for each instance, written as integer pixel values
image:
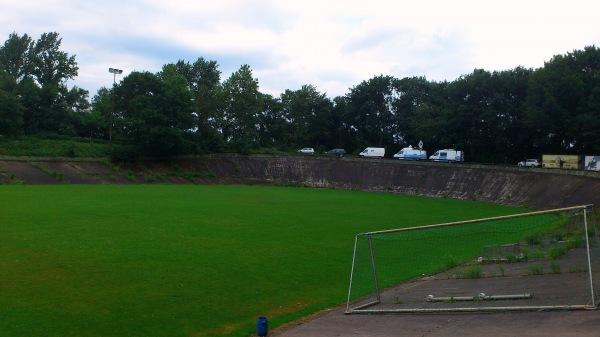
(337, 152)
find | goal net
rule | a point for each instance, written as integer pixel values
(534, 261)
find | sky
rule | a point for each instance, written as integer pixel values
(333, 45)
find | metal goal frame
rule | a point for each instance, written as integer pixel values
(371, 303)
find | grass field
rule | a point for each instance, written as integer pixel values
(178, 260)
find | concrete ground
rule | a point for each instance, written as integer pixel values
(580, 323)
(570, 289)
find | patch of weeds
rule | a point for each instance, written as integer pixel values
(555, 267)
(289, 184)
(70, 152)
(558, 236)
(511, 257)
(130, 175)
(155, 178)
(450, 300)
(577, 270)
(472, 272)
(535, 269)
(56, 175)
(556, 252)
(176, 168)
(537, 255)
(112, 166)
(501, 270)
(575, 242)
(450, 262)
(534, 239)
(203, 174)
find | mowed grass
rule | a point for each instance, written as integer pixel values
(178, 260)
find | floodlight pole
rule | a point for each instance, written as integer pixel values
(113, 71)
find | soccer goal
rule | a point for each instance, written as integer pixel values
(547, 260)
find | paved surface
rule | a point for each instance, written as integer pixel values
(549, 289)
(580, 323)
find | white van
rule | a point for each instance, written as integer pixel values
(372, 152)
(410, 153)
(448, 155)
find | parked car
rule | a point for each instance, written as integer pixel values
(307, 150)
(337, 152)
(530, 163)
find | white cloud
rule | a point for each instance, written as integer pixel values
(331, 44)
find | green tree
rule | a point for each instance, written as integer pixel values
(562, 103)
(11, 109)
(95, 123)
(242, 107)
(372, 111)
(484, 117)
(204, 78)
(309, 115)
(15, 57)
(420, 112)
(273, 130)
(154, 113)
(343, 134)
(40, 70)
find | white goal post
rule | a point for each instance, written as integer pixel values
(545, 260)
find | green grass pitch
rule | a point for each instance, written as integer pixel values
(179, 260)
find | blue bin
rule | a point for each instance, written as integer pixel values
(262, 326)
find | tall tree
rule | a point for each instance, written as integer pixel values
(562, 105)
(96, 122)
(484, 116)
(273, 130)
(309, 114)
(373, 113)
(419, 115)
(154, 113)
(204, 78)
(49, 65)
(15, 57)
(41, 71)
(11, 109)
(242, 108)
(343, 134)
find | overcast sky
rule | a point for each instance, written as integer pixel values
(331, 44)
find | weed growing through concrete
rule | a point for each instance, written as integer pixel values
(556, 252)
(535, 269)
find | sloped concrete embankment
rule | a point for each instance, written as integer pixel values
(539, 189)
(510, 186)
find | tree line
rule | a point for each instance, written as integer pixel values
(186, 108)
